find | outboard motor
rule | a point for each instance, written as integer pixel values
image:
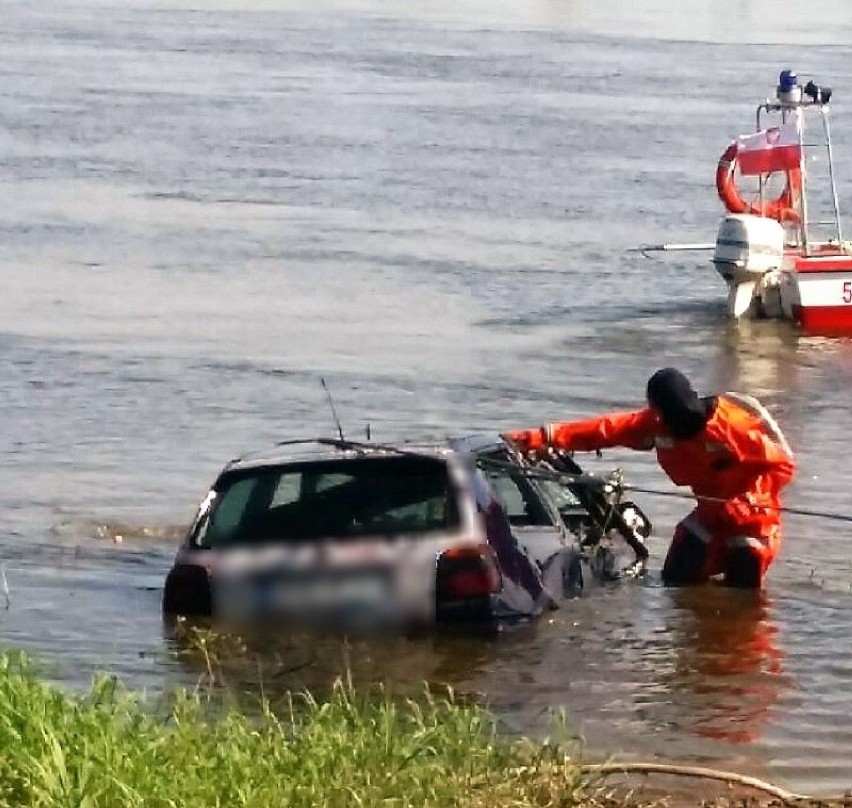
(747, 248)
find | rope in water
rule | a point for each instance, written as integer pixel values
(607, 769)
(603, 770)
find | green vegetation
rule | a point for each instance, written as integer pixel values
(108, 748)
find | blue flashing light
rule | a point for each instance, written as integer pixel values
(787, 81)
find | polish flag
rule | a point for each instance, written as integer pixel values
(775, 149)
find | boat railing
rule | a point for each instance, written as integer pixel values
(807, 233)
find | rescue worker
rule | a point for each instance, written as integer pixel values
(727, 448)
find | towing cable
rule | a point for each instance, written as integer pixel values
(614, 484)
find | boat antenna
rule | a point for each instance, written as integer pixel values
(333, 411)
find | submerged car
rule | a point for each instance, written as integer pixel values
(461, 532)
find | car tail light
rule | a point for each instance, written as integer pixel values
(468, 572)
(187, 591)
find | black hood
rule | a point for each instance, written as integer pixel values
(681, 410)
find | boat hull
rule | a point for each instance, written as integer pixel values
(824, 285)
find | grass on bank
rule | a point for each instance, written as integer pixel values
(108, 748)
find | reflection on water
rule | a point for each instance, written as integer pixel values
(715, 669)
(730, 666)
(282, 661)
(758, 356)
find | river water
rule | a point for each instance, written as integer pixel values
(210, 206)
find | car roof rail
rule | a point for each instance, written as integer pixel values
(362, 447)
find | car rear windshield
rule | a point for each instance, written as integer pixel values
(339, 499)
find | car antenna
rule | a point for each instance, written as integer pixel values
(333, 411)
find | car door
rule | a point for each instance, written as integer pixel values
(535, 525)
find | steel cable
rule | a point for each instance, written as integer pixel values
(613, 484)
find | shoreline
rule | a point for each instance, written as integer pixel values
(196, 747)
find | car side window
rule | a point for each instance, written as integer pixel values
(517, 498)
(288, 489)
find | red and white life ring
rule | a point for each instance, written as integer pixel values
(781, 208)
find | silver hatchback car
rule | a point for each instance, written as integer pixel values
(461, 533)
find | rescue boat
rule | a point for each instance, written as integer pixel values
(780, 247)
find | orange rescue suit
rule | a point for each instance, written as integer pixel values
(736, 466)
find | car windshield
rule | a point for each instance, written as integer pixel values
(349, 498)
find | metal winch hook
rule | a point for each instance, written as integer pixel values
(614, 486)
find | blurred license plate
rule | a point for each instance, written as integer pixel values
(325, 592)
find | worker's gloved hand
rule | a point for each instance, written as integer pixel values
(528, 440)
